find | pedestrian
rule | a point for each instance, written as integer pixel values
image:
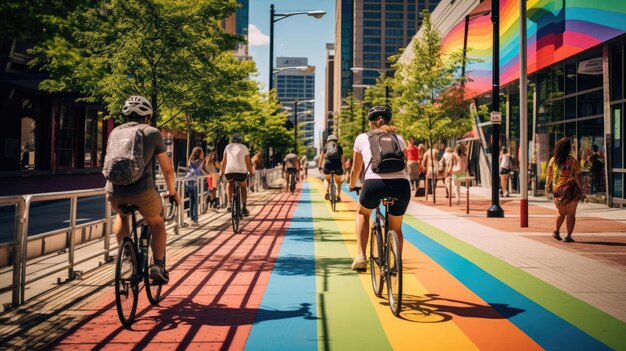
(458, 169)
(380, 182)
(505, 169)
(347, 168)
(596, 159)
(212, 168)
(563, 180)
(445, 169)
(257, 166)
(194, 169)
(412, 154)
(430, 161)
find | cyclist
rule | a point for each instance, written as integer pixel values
(332, 160)
(236, 165)
(376, 186)
(291, 166)
(143, 194)
(304, 167)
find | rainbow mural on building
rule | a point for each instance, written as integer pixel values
(557, 29)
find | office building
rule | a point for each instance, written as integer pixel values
(296, 85)
(576, 68)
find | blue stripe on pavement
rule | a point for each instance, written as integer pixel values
(546, 328)
(286, 315)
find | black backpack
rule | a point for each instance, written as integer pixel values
(332, 151)
(387, 155)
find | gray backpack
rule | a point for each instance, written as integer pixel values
(124, 163)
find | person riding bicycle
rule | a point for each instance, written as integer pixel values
(142, 193)
(236, 165)
(291, 165)
(332, 160)
(379, 182)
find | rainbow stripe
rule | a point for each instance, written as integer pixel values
(557, 30)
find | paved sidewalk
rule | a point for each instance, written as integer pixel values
(592, 269)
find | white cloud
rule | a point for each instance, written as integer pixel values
(256, 37)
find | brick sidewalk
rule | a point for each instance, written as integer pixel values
(600, 238)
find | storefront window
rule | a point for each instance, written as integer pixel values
(590, 104)
(65, 136)
(93, 138)
(27, 157)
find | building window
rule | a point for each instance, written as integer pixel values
(65, 136)
(371, 40)
(371, 15)
(93, 138)
(28, 145)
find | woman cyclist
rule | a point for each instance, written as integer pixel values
(377, 186)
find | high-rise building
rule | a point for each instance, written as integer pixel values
(329, 120)
(296, 85)
(368, 32)
(237, 23)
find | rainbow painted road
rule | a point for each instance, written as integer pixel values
(456, 297)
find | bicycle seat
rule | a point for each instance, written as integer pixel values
(389, 200)
(128, 208)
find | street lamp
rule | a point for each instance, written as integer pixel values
(275, 17)
(295, 119)
(382, 71)
(306, 69)
(364, 86)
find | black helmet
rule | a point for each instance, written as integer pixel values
(378, 111)
(236, 138)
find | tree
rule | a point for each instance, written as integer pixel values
(431, 98)
(162, 49)
(351, 120)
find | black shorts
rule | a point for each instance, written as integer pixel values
(240, 177)
(327, 170)
(373, 190)
(292, 170)
(504, 171)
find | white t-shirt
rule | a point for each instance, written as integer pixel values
(362, 146)
(505, 162)
(236, 158)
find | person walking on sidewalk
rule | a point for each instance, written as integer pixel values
(413, 163)
(505, 169)
(563, 180)
(194, 169)
(236, 165)
(212, 167)
(379, 182)
(458, 169)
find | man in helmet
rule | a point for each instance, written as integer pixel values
(332, 160)
(291, 167)
(236, 165)
(142, 193)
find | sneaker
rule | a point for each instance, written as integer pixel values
(159, 275)
(338, 199)
(359, 264)
(195, 224)
(245, 212)
(228, 209)
(327, 196)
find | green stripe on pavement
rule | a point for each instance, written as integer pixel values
(347, 319)
(584, 316)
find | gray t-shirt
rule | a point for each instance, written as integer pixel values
(152, 145)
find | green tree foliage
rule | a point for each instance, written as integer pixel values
(431, 102)
(163, 49)
(377, 94)
(351, 121)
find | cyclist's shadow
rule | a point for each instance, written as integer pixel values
(431, 308)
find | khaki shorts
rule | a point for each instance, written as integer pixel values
(148, 203)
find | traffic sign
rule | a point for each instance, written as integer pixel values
(496, 117)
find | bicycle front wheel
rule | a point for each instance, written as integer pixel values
(292, 184)
(376, 250)
(153, 290)
(126, 282)
(235, 212)
(333, 195)
(394, 272)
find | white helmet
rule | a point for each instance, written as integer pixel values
(331, 138)
(139, 105)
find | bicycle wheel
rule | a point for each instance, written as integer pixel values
(376, 250)
(235, 211)
(126, 282)
(333, 196)
(394, 272)
(292, 183)
(153, 290)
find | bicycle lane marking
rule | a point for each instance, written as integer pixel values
(402, 334)
(347, 319)
(289, 297)
(212, 298)
(566, 322)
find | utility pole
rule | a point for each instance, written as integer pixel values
(523, 121)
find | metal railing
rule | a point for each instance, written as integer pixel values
(18, 247)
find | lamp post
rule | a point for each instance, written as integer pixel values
(275, 17)
(295, 118)
(382, 71)
(364, 86)
(523, 91)
(495, 210)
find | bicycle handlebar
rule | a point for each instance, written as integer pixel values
(172, 211)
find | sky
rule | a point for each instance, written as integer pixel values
(297, 36)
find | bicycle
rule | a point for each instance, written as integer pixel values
(132, 264)
(235, 208)
(332, 192)
(385, 257)
(292, 181)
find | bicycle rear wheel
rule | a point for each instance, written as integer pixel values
(333, 195)
(126, 282)
(292, 183)
(235, 210)
(394, 272)
(376, 250)
(153, 290)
